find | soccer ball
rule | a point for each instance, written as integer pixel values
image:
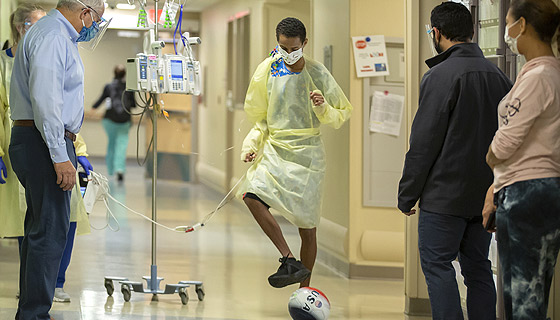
(309, 304)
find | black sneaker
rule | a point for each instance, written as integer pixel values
(291, 271)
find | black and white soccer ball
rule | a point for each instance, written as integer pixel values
(309, 304)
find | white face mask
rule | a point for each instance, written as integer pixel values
(512, 42)
(291, 58)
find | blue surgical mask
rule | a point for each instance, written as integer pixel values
(86, 34)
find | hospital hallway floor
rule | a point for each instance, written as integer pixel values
(231, 255)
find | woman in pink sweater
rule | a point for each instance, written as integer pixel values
(525, 158)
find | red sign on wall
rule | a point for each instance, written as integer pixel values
(361, 44)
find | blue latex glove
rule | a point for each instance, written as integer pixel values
(3, 171)
(83, 161)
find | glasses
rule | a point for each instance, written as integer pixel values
(431, 35)
(100, 21)
(430, 31)
(27, 25)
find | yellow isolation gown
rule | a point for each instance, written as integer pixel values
(12, 193)
(289, 170)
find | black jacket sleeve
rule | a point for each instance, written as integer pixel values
(427, 136)
(106, 94)
(128, 100)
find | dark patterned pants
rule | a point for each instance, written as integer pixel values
(528, 235)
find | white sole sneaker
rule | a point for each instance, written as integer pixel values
(60, 295)
(55, 299)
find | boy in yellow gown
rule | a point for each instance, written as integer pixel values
(289, 97)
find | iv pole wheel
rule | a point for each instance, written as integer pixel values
(184, 295)
(200, 292)
(155, 297)
(109, 286)
(125, 289)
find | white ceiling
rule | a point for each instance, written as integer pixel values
(191, 5)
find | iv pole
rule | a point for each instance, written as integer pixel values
(154, 285)
(153, 281)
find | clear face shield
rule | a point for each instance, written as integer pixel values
(100, 27)
(431, 35)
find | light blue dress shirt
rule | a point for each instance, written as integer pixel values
(48, 82)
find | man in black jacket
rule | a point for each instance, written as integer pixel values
(445, 167)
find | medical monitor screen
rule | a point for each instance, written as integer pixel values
(176, 70)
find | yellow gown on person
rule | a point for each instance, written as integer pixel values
(289, 170)
(12, 193)
(77, 209)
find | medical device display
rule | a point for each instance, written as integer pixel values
(177, 74)
(137, 74)
(168, 73)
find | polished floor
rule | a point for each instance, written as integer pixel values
(230, 255)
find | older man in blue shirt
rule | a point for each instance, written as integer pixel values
(47, 99)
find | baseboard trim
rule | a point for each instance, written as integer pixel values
(211, 176)
(417, 307)
(346, 269)
(334, 262)
(376, 272)
(171, 166)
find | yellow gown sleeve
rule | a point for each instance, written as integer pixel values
(337, 109)
(256, 106)
(333, 116)
(254, 141)
(256, 100)
(80, 146)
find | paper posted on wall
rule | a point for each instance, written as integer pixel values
(386, 113)
(370, 56)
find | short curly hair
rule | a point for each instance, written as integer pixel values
(291, 27)
(454, 21)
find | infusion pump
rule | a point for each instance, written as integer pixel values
(181, 75)
(166, 74)
(137, 75)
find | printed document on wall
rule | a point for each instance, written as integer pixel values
(370, 56)
(386, 113)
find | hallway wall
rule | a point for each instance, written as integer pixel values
(376, 234)
(327, 33)
(211, 166)
(331, 27)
